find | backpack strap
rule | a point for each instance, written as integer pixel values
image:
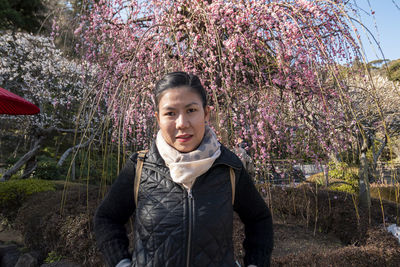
(139, 166)
(233, 183)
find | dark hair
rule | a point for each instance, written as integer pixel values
(179, 79)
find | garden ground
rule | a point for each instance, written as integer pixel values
(313, 227)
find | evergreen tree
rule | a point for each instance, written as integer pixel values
(26, 15)
(394, 70)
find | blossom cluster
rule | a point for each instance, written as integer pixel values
(264, 64)
(375, 104)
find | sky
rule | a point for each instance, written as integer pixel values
(384, 25)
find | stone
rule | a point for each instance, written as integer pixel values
(9, 255)
(27, 260)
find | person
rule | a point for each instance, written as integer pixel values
(184, 211)
(240, 151)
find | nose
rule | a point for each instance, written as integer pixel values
(182, 122)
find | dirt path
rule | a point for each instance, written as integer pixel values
(290, 239)
(10, 236)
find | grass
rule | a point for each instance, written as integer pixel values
(386, 192)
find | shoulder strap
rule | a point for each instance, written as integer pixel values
(139, 165)
(233, 183)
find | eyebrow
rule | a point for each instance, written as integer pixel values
(186, 106)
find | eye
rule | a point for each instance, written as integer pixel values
(169, 113)
(190, 110)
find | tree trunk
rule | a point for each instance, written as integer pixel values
(24, 159)
(333, 157)
(364, 190)
(73, 171)
(326, 174)
(70, 150)
(376, 155)
(40, 134)
(31, 164)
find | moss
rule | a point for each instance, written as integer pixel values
(14, 192)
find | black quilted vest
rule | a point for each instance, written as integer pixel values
(174, 228)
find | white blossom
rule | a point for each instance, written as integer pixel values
(32, 67)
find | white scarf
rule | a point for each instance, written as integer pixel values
(186, 167)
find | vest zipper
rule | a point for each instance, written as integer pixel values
(189, 244)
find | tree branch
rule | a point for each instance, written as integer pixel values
(23, 159)
(376, 155)
(69, 150)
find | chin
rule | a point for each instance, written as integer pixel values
(184, 149)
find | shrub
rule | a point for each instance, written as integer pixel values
(52, 257)
(342, 177)
(14, 192)
(47, 169)
(10, 161)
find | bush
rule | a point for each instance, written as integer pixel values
(14, 192)
(342, 177)
(52, 257)
(10, 161)
(47, 169)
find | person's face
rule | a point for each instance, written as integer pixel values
(182, 118)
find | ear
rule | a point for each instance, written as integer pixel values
(207, 112)
(157, 117)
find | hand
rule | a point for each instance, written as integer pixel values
(124, 263)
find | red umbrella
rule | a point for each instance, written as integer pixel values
(15, 105)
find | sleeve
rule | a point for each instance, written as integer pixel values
(113, 213)
(256, 217)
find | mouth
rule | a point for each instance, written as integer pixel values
(184, 137)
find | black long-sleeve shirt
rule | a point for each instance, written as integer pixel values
(115, 210)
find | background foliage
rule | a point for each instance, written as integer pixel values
(24, 15)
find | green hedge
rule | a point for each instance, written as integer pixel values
(14, 192)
